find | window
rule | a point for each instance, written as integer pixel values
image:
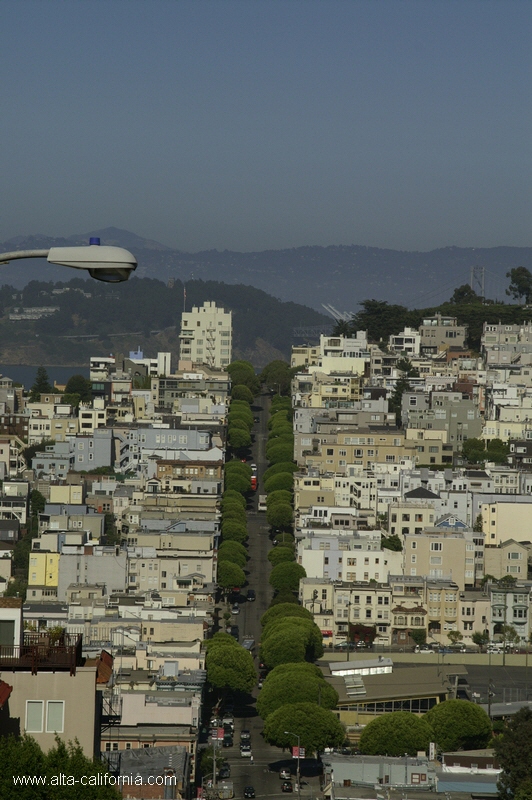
(34, 716)
(436, 546)
(55, 715)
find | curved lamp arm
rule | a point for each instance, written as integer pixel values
(109, 264)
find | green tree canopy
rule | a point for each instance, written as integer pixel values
(514, 753)
(392, 542)
(279, 554)
(230, 667)
(465, 294)
(287, 576)
(520, 284)
(280, 417)
(295, 686)
(473, 450)
(287, 466)
(277, 376)
(234, 513)
(234, 532)
(281, 612)
(280, 650)
(293, 626)
(242, 392)
(81, 386)
(317, 727)
(235, 465)
(230, 575)
(283, 480)
(237, 438)
(243, 373)
(240, 422)
(23, 756)
(480, 638)
(228, 552)
(281, 598)
(41, 385)
(230, 496)
(234, 481)
(280, 452)
(280, 515)
(278, 496)
(459, 725)
(396, 734)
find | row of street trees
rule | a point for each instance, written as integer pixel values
(295, 696)
(279, 486)
(452, 725)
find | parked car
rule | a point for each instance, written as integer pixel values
(251, 594)
(249, 791)
(285, 774)
(245, 736)
(253, 469)
(423, 648)
(286, 786)
(345, 646)
(225, 771)
(227, 740)
(235, 609)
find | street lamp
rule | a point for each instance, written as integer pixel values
(109, 264)
(289, 733)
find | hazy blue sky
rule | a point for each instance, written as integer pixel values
(254, 124)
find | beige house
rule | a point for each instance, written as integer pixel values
(46, 681)
(343, 609)
(508, 558)
(304, 356)
(362, 447)
(503, 521)
(408, 517)
(441, 333)
(441, 555)
(313, 489)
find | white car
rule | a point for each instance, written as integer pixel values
(235, 609)
(245, 750)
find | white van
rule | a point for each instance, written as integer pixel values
(262, 503)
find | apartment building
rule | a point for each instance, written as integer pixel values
(347, 611)
(445, 555)
(345, 557)
(206, 336)
(363, 447)
(441, 333)
(506, 520)
(510, 606)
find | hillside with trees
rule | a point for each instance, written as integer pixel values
(95, 318)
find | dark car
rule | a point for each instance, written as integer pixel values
(234, 631)
(227, 740)
(286, 786)
(251, 594)
(225, 771)
(245, 736)
(249, 791)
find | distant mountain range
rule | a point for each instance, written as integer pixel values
(339, 275)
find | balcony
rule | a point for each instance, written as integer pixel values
(41, 654)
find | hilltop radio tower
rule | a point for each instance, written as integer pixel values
(477, 280)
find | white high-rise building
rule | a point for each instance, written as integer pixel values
(207, 335)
